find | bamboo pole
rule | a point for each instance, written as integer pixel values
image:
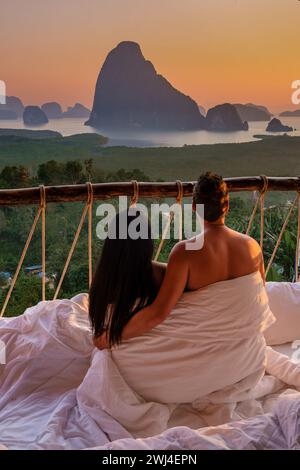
(78, 192)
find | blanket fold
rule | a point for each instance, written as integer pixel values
(212, 339)
(205, 366)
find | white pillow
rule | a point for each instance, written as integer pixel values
(284, 301)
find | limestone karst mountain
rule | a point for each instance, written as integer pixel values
(52, 110)
(295, 113)
(77, 111)
(253, 112)
(34, 116)
(12, 109)
(131, 94)
(224, 117)
(275, 125)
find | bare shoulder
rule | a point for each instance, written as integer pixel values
(246, 241)
(179, 251)
(251, 242)
(179, 248)
(254, 246)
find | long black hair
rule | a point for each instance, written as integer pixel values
(123, 281)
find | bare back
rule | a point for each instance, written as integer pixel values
(226, 254)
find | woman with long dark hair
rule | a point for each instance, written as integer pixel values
(225, 255)
(125, 281)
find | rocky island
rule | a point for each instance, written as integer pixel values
(77, 111)
(253, 112)
(224, 117)
(52, 110)
(12, 109)
(275, 125)
(34, 116)
(131, 94)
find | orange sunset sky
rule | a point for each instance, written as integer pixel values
(212, 50)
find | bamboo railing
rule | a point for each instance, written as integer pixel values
(79, 192)
(89, 192)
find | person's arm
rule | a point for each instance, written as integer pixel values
(173, 286)
(159, 272)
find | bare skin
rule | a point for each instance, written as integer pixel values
(159, 271)
(226, 254)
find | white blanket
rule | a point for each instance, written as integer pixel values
(48, 353)
(187, 357)
(274, 430)
(210, 350)
(56, 392)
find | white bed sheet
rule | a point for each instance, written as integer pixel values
(48, 395)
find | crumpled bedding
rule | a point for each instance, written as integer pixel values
(52, 395)
(276, 429)
(209, 351)
(186, 357)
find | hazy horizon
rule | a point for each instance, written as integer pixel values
(224, 51)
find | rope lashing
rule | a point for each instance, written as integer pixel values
(135, 197)
(87, 208)
(260, 201)
(179, 199)
(43, 211)
(90, 201)
(281, 233)
(179, 196)
(40, 211)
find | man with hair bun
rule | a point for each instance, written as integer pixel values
(225, 254)
(211, 191)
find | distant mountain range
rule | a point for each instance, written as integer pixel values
(129, 93)
(295, 113)
(54, 111)
(253, 112)
(15, 109)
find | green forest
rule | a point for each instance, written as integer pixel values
(86, 165)
(273, 156)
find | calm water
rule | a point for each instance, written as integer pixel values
(156, 139)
